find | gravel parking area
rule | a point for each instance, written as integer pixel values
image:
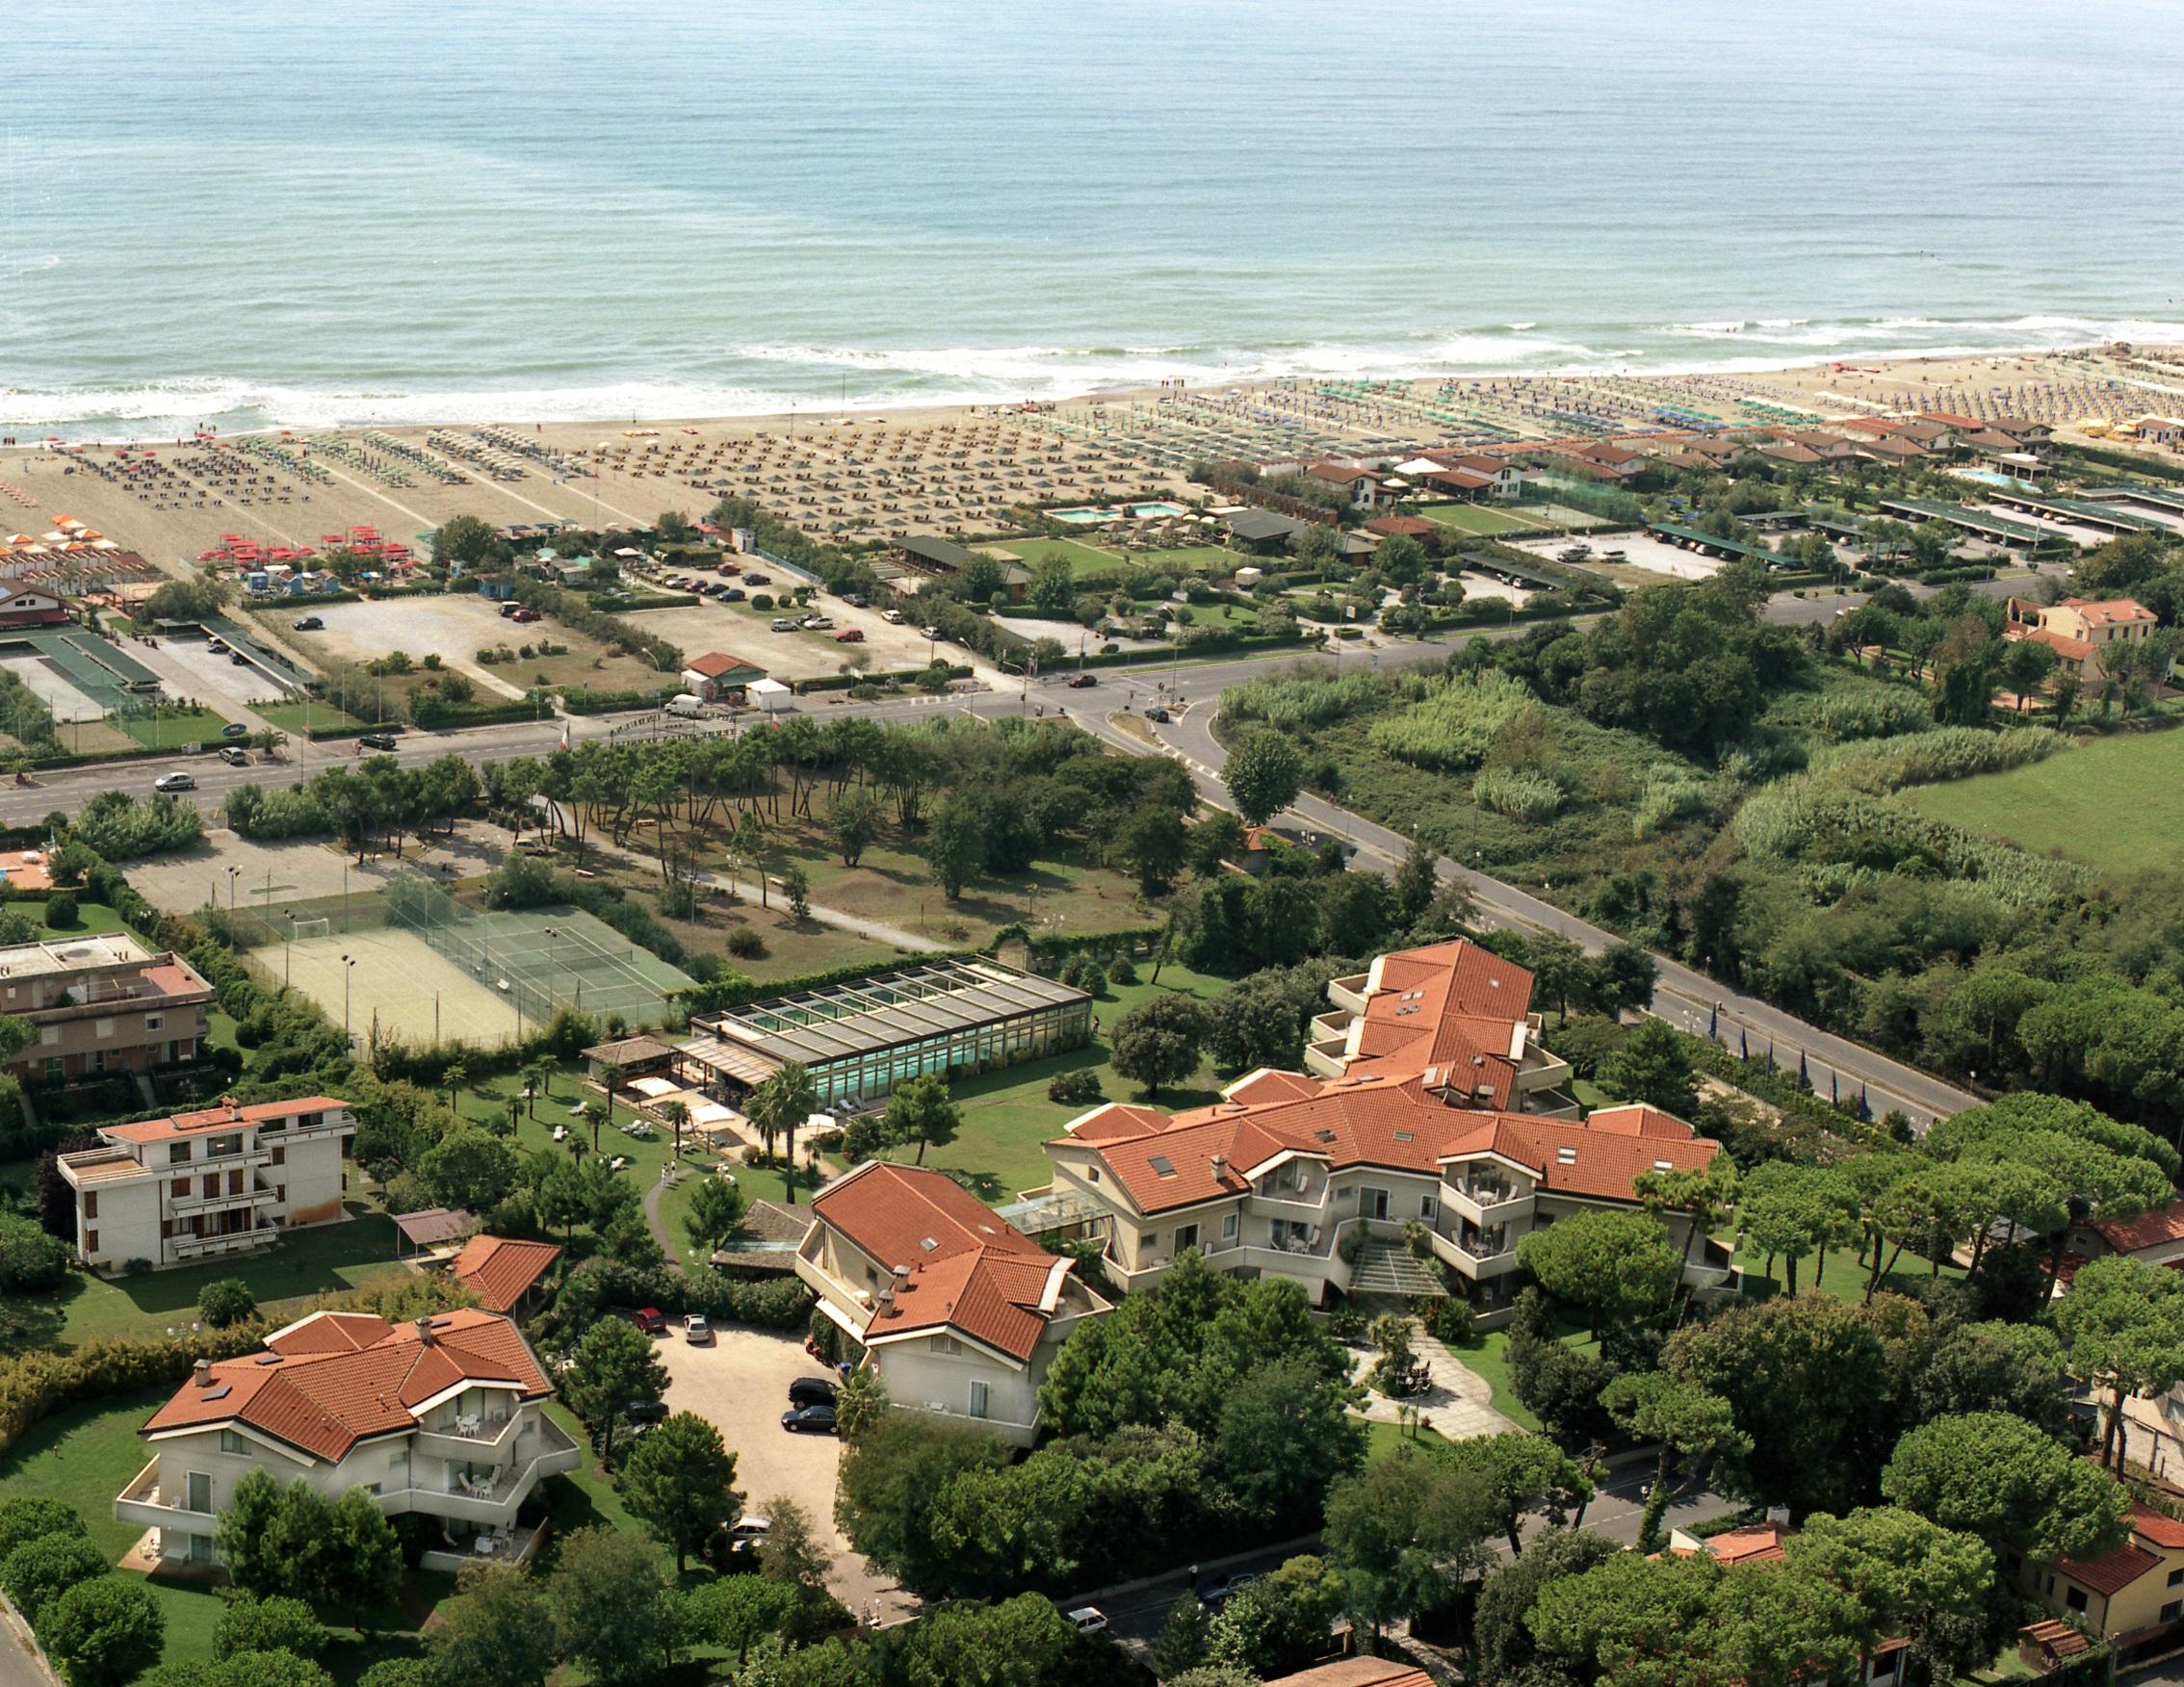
(457, 626)
(740, 1385)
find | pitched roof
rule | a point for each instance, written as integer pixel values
(2112, 1570)
(969, 1269)
(2062, 643)
(1357, 1672)
(2158, 1528)
(502, 1270)
(2149, 1230)
(2109, 611)
(337, 1378)
(714, 664)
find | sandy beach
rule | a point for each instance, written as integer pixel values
(961, 468)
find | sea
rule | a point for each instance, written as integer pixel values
(247, 214)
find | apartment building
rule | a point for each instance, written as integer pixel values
(103, 1003)
(1317, 1177)
(442, 1417)
(195, 1187)
(958, 1311)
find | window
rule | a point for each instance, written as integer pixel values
(2176, 1578)
(946, 1345)
(1186, 1236)
(209, 1187)
(48, 1033)
(221, 1145)
(2075, 1598)
(90, 1241)
(55, 1068)
(165, 1229)
(1885, 1666)
(102, 1027)
(981, 1399)
(231, 1442)
(1229, 1227)
(280, 1154)
(280, 1192)
(154, 1021)
(180, 1189)
(90, 1203)
(1092, 1174)
(178, 1154)
(2173, 1610)
(1429, 1209)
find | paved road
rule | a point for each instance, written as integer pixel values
(19, 1663)
(1136, 1610)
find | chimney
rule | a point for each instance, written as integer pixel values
(1220, 1166)
(234, 1108)
(425, 1331)
(201, 1374)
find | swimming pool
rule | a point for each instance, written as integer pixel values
(1092, 517)
(1995, 478)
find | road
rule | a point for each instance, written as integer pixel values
(1684, 996)
(1136, 1610)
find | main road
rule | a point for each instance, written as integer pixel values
(1191, 692)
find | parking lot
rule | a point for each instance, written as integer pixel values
(740, 1386)
(748, 632)
(454, 626)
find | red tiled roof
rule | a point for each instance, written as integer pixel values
(715, 662)
(2070, 649)
(969, 1271)
(2163, 1530)
(2112, 1570)
(1401, 527)
(1763, 1544)
(333, 1380)
(2110, 611)
(2149, 1230)
(211, 1118)
(1462, 479)
(502, 1270)
(167, 977)
(1357, 1672)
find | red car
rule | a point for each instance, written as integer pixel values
(730, 568)
(650, 1319)
(1078, 681)
(852, 636)
(526, 616)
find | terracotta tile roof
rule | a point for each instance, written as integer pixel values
(1763, 1544)
(2110, 611)
(502, 1270)
(2070, 649)
(2149, 1230)
(1266, 1084)
(1357, 1672)
(1789, 451)
(2157, 1527)
(211, 1118)
(330, 1381)
(2112, 1570)
(715, 662)
(969, 1271)
(2060, 1639)
(1401, 527)
(1462, 479)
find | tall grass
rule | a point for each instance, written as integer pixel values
(1454, 724)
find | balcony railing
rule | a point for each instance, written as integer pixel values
(153, 1504)
(226, 1242)
(222, 1198)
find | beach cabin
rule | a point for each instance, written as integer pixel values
(496, 588)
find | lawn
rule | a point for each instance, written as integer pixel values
(1844, 1278)
(1383, 1438)
(85, 1454)
(306, 1263)
(2117, 803)
(1006, 1114)
(1479, 520)
(91, 919)
(308, 716)
(170, 730)
(1081, 558)
(1486, 1354)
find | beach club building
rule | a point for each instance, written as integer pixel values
(1417, 1107)
(958, 1311)
(197, 1186)
(859, 1040)
(441, 1417)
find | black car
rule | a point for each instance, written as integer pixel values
(758, 580)
(310, 624)
(811, 1419)
(811, 1392)
(854, 599)
(732, 594)
(378, 740)
(1158, 714)
(644, 1413)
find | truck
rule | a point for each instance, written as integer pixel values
(687, 705)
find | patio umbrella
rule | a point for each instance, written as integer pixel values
(1864, 1111)
(1714, 1023)
(1804, 1076)
(1835, 1098)
(1743, 1044)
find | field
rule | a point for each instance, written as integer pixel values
(1086, 557)
(2117, 803)
(1006, 1114)
(302, 717)
(1081, 558)
(170, 730)
(1479, 520)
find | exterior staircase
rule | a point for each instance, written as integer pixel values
(1386, 1267)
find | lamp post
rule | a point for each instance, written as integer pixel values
(347, 966)
(287, 937)
(233, 873)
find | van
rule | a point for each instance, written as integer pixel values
(687, 705)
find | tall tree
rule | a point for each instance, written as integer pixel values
(1615, 1265)
(2000, 1478)
(613, 1365)
(614, 1611)
(1406, 1533)
(716, 1212)
(680, 1481)
(2125, 1322)
(1158, 1041)
(920, 1111)
(779, 1107)
(1523, 1473)
(1264, 774)
(1688, 1422)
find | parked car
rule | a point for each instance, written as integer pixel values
(650, 1319)
(236, 659)
(309, 624)
(175, 782)
(1223, 1588)
(809, 1420)
(1078, 681)
(643, 1414)
(853, 636)
(811, 1392)
(748, 1531)
(378, 740)
(235, 756)
(510, 609)
(782, 624)
(758, 580)
(929, 632)
(696, 1331)
(893, 617)
(526, 616)
(1088, 1619)
(218, 647)
(732, 594)
(729, 568)
(819, 624)
(1157, 713)
(854, 599)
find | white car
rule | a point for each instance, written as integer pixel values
(696, 1331)
(748, 1530)
(1088, 1619)
(175, 782)
(893, 617)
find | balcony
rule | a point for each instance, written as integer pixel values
(255, 1193)
(1349, 993)
(1486, 1205)
(228, 1242)
(1310, 1205)
(1481, 1260)
(150, 1504)
(1326, 1059)
(481, 1440)
(492, 1498)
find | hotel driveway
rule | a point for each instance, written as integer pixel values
(740, 1385)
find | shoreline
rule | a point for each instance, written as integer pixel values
(781, 411)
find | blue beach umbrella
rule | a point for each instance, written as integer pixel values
(1743, 1044)
(1714, 1023)
(1804, 1076)
(1834, 1095)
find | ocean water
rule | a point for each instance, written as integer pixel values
(255, 212)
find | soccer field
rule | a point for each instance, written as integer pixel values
(2117, 804)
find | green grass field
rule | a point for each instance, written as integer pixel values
(91, 919)
(2117, 803)
(1081, 558)
(302, 717)
(1086, 557)
(172, 731)
(1006, 1114)
(1480, 520)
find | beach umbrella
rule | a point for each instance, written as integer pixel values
(1804, 1076)
(1714, 1023)
(1834, 1097)
(1864, 1111)
(1743, 1044)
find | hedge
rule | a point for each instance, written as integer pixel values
(898, 676)
(35, 1384)
(1218, 645)
(320, 734)
(611, 702)
(626, 604)
(741, 992)
(433, 716)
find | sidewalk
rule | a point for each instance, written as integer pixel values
(1458, 1404)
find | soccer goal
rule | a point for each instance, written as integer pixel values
(322, 926)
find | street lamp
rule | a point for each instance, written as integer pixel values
(347, 966)
(233, 874)
(287, 937)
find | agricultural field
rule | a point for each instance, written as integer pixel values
(2117, 804)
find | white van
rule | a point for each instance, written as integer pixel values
(687, 705)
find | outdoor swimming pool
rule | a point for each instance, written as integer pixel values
(1138, 512)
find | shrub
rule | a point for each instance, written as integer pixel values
(762, 600)
(1121, 970)
(31, 1262)
(746, 944)
(226, 1301)
(1454, 725)
(1672, 795)
(1074, 1088)
(33, 1517)
(276, 1623)
(1520, 795)
(107, 1629)
(60, 911)
(1081, 972)
(40, 1571)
